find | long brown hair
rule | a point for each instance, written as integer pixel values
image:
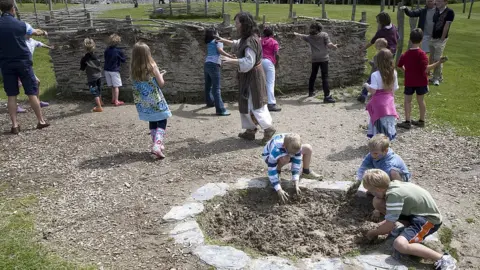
(384, 62)
(142, 64)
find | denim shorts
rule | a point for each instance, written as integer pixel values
(95, 87)
(418, 229)
(19, 70)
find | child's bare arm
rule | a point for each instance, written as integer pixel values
(436, 64)
(385, 227)
(222, 52)
(158, 76)
(332, 46)
(226, 41)
(369, 88)
(39, 32)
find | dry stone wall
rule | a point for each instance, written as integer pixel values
(180, 49)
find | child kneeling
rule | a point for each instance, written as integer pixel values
(283, 149)
(414, 207)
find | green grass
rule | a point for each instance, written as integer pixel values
(28, 7)
(470, 220)
(446, 235)
(19, 248)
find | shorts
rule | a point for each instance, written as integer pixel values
(20, 82)
(19, 70)
(113, 78)
(95, 87)
(426, 44)
(422, 90)
(418, 229)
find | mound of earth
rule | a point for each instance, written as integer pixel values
(314, 223)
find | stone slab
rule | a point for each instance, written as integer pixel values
(187, 233)
(271, 263)
(222, 257)
(432, 238)
(244, 183)
(324, 264)
(182, 212)
(378, 261)
(342, 186)
(209, 191)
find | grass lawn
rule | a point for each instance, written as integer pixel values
(456, 101)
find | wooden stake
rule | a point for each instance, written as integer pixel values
(223, 6)
(170, 6)
(36, 14)
(324, 13)
(364, 17)
(464, 5)
(290, 10)
(66, 7)
(382, 5)
(354, 7)
(471, 6)
(401, 32)
(257, 9)
(206, 8)
(240, 3)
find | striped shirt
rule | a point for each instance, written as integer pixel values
(274, 150)
(408, 199)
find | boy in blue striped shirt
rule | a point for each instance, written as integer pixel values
(283, 149)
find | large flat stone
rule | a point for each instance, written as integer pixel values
(184, 211)
(222, 257)
(272, 263)
(209, 191)
(324, 264)
(342, 186)
(244, 183)
(187, 233)
(379, 261)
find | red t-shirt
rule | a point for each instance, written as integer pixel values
(415, 62)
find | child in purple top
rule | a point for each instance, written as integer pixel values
(387, 31)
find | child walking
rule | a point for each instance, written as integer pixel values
(114, 57)
(415, 64)
(148, 97)
(380, 43)
(414, 207)
(92, 67)
(319, 44)
(381, 106)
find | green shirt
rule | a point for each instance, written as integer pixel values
(404, 198)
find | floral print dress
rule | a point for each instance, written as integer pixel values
(149, 101)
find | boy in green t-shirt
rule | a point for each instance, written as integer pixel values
(415, 208)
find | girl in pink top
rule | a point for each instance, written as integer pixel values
(269, 63)
(381, 106)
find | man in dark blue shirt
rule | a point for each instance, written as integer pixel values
(16, 63)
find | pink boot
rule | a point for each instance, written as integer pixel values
(158, 147)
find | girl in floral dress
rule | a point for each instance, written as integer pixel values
(147, 95)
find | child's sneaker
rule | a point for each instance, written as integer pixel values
(20, 109)
(419, 123)
(97, 109)
(249, 134)
(119, 103)
(405, 125)
(447, 262)
(157, 150)
(362, 99)
(44, 104)
(328, 99)
(312, 175)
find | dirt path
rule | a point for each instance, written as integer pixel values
(101, 198)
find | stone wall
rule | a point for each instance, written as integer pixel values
(180, 49)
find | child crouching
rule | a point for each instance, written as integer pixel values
(148, 97)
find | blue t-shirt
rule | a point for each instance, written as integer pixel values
(212, 53)
(12, 35)
(390, 161)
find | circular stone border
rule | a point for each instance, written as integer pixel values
(187, 232)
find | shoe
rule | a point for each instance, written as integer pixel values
(21, 110)
(311, 94)
(268, 134)
(431, 80)
(312, 175)
(419, 123)
(405, 125)
(97, 109)
(436, 82)
(119, 103)
(15, 130)
(362, 99)
(44, 104)
(224, 113)
(40, 126)
(328, 99)
(157, 150)
(249, 134)
(447, 262)
(274, 108)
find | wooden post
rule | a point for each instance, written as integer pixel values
(128, 18)
(382, 5)
(263, 20)
(349, 2)
(223, 6)
(354, 7)
(418, 3)
(50, 8)
(47, 19)
(66, 7)
(226, 19)
(90, 19)
(257, 9)
(16, 9)
(170, 7)
(394, 5)
(471, 6)
(324, 13)
(206, 8)
(464, 5)
(154, 7)
(290, 10)
(84, 7)
(240, 3)
(36, 14)
(189, 6)
(401, 32)
(364, 17)
(388, 6)
(343, 2)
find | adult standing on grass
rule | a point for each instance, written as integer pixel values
(16, 62)
(442, 20)
(425, 22)
(387, 31)
(252, 95)
(270, 62)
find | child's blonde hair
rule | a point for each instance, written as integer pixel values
(376, 178)
(114, 40)
(89, 44)
(142, 62)
(292, 143)
(381, 43)
(384, 62)
(379, 141)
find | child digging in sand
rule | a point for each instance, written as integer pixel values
(415, 208)
(283, 149)
(91, 65)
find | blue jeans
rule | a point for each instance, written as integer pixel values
(364, 90)
(213, 96)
